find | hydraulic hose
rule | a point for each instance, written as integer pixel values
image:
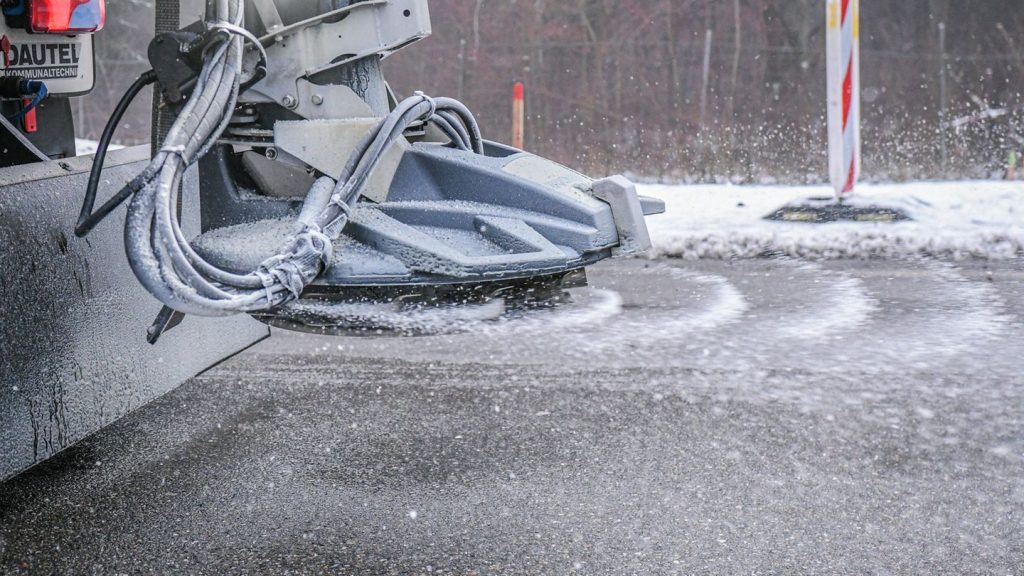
(183, 280)
(158, 250)
(34, 88)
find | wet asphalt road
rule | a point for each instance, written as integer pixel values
(752, 417)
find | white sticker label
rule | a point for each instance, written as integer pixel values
(64, 63)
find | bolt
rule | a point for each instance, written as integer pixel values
(289, 102)
(318, 99)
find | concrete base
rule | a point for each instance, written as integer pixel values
(823, 210)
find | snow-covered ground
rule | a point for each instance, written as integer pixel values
(954, 220)
(85, 147)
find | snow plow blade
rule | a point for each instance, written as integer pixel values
(73, 325)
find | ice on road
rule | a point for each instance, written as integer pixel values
(747, 417)
(760, 415)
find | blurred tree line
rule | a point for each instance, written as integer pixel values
(698, 89)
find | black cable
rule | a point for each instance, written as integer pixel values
(87, 219)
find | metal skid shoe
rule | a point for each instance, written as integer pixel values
(329, 204)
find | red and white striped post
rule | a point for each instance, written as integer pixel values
(518, 115)
(843, 94)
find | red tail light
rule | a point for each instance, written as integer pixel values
(66, 16)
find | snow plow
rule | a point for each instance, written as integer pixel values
(287, 183)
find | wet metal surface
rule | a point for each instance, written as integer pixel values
(74, 319)
(748, 417)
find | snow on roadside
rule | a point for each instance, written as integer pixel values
(85, 147)
(952, 220)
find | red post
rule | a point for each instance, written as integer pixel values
(518, 115)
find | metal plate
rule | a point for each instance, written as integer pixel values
(64, 63)
(73, 351)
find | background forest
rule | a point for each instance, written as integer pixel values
(693, 89)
